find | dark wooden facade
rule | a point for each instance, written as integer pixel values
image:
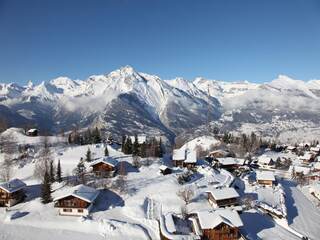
(221, 232)
(71, 202)
(103, 169)
(9, 199)
(223, 202)
(177, 163)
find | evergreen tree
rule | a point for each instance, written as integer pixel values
(106, 151)
(51, 172)
(123, 143)
(46, 189)
(59, 173)
(135, 147)
(160, 149)
(96, 136)
(88, 155)
(128, 146)
(80, 170)
(143, 150)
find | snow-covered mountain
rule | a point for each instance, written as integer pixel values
(127, 101)
(122, 101)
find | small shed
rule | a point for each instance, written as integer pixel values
(32, 132)
(165, 170)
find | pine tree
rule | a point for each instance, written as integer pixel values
(59, 173)
(123, 143)
(106, 151)
(160, 150)
(128, 146)
(46, 189)
(80, 170)
(88, 155)
(96, 136)
(51, 172)
(135, 147)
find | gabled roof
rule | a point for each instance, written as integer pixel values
(291, 148)
(179, 154)
(231, 161)
(265, 176)
(32, 130)
(13, 185)
(83, 192)
(223, 193)
(163, 167)
(107, 160)
(265, 160)
(210, 219)
(191, 156)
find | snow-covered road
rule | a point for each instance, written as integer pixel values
(303, 216)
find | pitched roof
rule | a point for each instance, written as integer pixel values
(223, 193)
(265, 176)
(231, 161)
(163, 167)
(191, 156)
(209, 219)
(179, 154)
(13, 185)
(83, 192)
(265, 160)
(107, 160)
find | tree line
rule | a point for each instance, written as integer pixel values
(149, 148)
(90, 136)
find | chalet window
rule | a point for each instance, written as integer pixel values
(67, 210)
(80, 210)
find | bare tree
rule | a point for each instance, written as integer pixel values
(9, 148)
(186, 194)
(136, 161)
(44, 159)
(120, 183)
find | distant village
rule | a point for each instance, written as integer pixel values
(216, 181)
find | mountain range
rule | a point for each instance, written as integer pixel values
(126, 101)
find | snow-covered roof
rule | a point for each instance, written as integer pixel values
(265, 160)
(265, 176)
(171, 228)
(191, 156)
(231, 161)
(291, 148)
(301, 169)
(209, 219)
(83, 192)
(306, 156)
(32, 130)
(163, 167)
(315, 188)
(315, 149)
(179, 154)
(223, 193)
(316, 165)
(13, 185)
(107, 160)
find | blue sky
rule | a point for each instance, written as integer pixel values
(227, 40)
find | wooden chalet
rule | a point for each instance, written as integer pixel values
(76, 201)
(265, 178)
(104, 167)
(164, 170)
(266, 162)
(308, 157)
(12, 192)
(223, 197)
(220, 224)
(178, 157)
(229, 163)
